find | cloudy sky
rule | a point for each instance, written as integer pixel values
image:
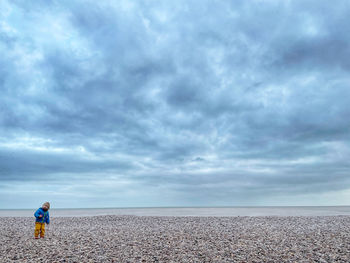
(174, 103)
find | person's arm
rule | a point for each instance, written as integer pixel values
(36, 214)
(48, 218)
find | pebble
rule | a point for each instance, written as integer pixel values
(178, 239)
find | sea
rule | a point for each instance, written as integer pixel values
(189, 211)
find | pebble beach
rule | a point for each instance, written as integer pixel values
(178, 239)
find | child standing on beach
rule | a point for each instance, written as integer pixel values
(42, 216)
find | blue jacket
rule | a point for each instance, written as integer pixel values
(45, 216)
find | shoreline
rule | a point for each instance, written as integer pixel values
(190, 211)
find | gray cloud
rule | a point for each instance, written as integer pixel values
(206, 103)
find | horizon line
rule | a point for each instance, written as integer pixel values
(152, 207)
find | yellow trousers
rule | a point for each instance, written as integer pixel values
(39, 229)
